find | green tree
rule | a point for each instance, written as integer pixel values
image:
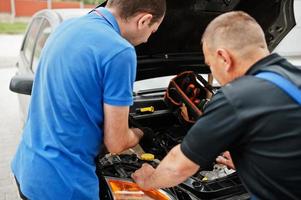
(89, 1)
(93, 1)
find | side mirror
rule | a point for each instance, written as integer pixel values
(21, 84)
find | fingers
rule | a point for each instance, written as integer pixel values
(138, 178)
(148, 169)
(222, 160)
(142, 176)
(226, 160)
(227, 155)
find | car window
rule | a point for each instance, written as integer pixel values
(42, 37)
(31, 38)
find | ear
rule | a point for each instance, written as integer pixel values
(225, 57)
(144, 20)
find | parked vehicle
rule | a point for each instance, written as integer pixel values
(174, 49)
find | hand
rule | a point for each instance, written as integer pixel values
(142, 176)
(226, 159)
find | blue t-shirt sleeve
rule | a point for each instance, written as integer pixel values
(119, 77)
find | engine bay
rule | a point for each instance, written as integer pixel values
(169, 128)
(219, 182)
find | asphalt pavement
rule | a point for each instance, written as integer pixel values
(10, 124)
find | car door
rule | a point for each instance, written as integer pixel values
(34, 41)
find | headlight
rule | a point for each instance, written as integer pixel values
(128, 190)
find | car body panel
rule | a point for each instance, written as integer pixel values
(176, 44)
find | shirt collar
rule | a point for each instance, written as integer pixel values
(110, 18)
(271, 59)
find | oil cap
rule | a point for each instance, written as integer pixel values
(147, 157)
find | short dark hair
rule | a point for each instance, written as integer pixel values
(129, 8)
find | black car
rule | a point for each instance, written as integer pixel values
(174, 49)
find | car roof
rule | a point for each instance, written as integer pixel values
(57, 16)
(71, 13)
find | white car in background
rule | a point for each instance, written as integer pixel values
(290, 46)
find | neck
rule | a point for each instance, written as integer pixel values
(248, 61)
(121, 23)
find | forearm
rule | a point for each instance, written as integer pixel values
(174, 168)
(129, 139)
(117, 134)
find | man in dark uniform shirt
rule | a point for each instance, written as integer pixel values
(253, 118)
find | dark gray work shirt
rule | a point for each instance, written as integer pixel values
(260, 125)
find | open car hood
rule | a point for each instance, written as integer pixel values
(175, 47)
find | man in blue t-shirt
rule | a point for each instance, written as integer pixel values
(80, 99)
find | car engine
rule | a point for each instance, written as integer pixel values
(216, 183)
(169, 127)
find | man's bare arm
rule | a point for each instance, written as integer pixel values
(175, 168)
(117, 134)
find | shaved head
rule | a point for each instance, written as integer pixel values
(236, 31)
(232, 43)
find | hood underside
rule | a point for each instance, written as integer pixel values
(175, 47)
